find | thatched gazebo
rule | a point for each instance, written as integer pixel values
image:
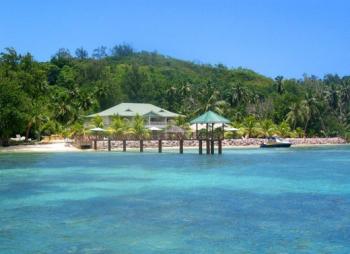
(210, 118)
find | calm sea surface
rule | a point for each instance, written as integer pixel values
(246, 201)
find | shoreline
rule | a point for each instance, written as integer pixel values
(60, 146)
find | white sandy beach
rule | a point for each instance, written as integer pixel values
(52, 147)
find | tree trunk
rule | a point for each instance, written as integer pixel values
(29, 126)
(4, 141)
(305, 128)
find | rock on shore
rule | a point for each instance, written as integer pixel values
(225, 143)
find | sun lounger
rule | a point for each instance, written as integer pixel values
(18, 138)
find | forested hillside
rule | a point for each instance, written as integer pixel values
(48, 97)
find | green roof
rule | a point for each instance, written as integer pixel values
(210, 117)
(132, 109)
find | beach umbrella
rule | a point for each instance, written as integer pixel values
(229, 128)
(97, 130)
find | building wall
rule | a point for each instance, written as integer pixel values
(155, 121)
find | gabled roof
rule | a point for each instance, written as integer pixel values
(210, 117)
(132, 109)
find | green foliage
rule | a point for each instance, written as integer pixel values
(249, 127)
(46, 97)
(81, 53)
(267, 128)
(253, 128)
(181, 122)
(14, 110)
(97, 122)
(123, 50)
(138, 127)
(75, 130)
(283, 130)
(120, 127)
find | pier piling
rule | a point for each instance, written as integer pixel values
(159, 146)
(181, 146)
(141, 146)
(124, 145)
(109, 145)
(200, 146)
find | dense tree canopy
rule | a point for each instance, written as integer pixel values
(47, 97)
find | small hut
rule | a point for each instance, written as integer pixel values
(174, 132)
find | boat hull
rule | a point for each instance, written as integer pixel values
(275, 145)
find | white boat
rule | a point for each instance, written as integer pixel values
(273, 142)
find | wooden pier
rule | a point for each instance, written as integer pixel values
(209, 135)
(209, 144)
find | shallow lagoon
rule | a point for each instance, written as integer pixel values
(245, 201)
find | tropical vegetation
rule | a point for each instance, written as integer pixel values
(42, 98)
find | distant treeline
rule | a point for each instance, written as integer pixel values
(48, 97)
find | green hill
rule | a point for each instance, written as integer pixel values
(46, 97)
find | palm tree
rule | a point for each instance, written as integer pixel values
(344, 101)
(332, 97)
(38, 116)
(300, 132)
(279, 84)
(185, 98)
(180, 121)
(65, 110)
(249, 127)
(209, 99)
(77, 129)
(185, 90)
(138, 127)
(283, 129)
(119, 127)
(85, 101)
(306, 112)
(295, 115)
(310, 108)
(268, 128)
(97, 121)
(206, 101)
(239, 94)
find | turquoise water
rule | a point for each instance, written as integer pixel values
(245, 201)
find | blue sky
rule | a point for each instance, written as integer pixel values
(272, 37)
